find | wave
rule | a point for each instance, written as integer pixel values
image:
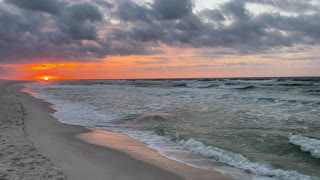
(195, 84)
(240, 162)
(312, 79)
(239, 87)
(208, 86)
(303, 79)
(313, 91)
(93, 82)
(306, 144)
(316, 102)
(296, 84)
(206, 79)
(180, 85)
(308, 101)
(246, 87)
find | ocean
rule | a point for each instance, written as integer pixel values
(269, 127)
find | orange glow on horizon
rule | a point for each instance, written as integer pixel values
(43, 67)
(45, 77)
(173, 63)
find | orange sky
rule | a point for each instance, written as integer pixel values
(175, 63)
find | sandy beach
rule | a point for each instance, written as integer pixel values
(35, 145)
(19, 158)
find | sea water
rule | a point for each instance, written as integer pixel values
(269, 127)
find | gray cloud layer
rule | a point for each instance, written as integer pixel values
(53, 30)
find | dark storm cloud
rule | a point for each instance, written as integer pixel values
(103, 3)
(76, 30)
(214, 15)
(236, 10)
(56, 30)
(172, 9)
(79, 21)
(231, 25)
(128, 10)
(48, 6)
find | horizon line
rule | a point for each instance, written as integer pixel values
(172, 78)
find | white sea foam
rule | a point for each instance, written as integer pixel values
(306, 144)
(239, 161)
(176, 152)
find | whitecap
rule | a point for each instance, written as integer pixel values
(306, 144)
(241, 162)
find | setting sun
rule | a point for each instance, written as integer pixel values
(46, 78)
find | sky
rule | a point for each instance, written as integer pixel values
(128, 39)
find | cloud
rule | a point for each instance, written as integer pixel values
(79, 21)
(103, 3)
(289, 5)
(172, 9)
(128, 10)
(48, 6)
(72, 30)
(231, 25)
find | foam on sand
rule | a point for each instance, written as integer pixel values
(306, 144)
(240, 162)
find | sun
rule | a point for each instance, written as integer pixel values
(46, 78)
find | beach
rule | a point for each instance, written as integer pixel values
(159, 89)
(19, 158)
(35, 145)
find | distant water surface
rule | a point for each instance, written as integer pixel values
(268, 127)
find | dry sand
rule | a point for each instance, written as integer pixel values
(19, 159)
(79, 152)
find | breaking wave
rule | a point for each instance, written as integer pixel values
(306, 144)
(240, 162)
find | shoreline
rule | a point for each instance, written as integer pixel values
(84, 153)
